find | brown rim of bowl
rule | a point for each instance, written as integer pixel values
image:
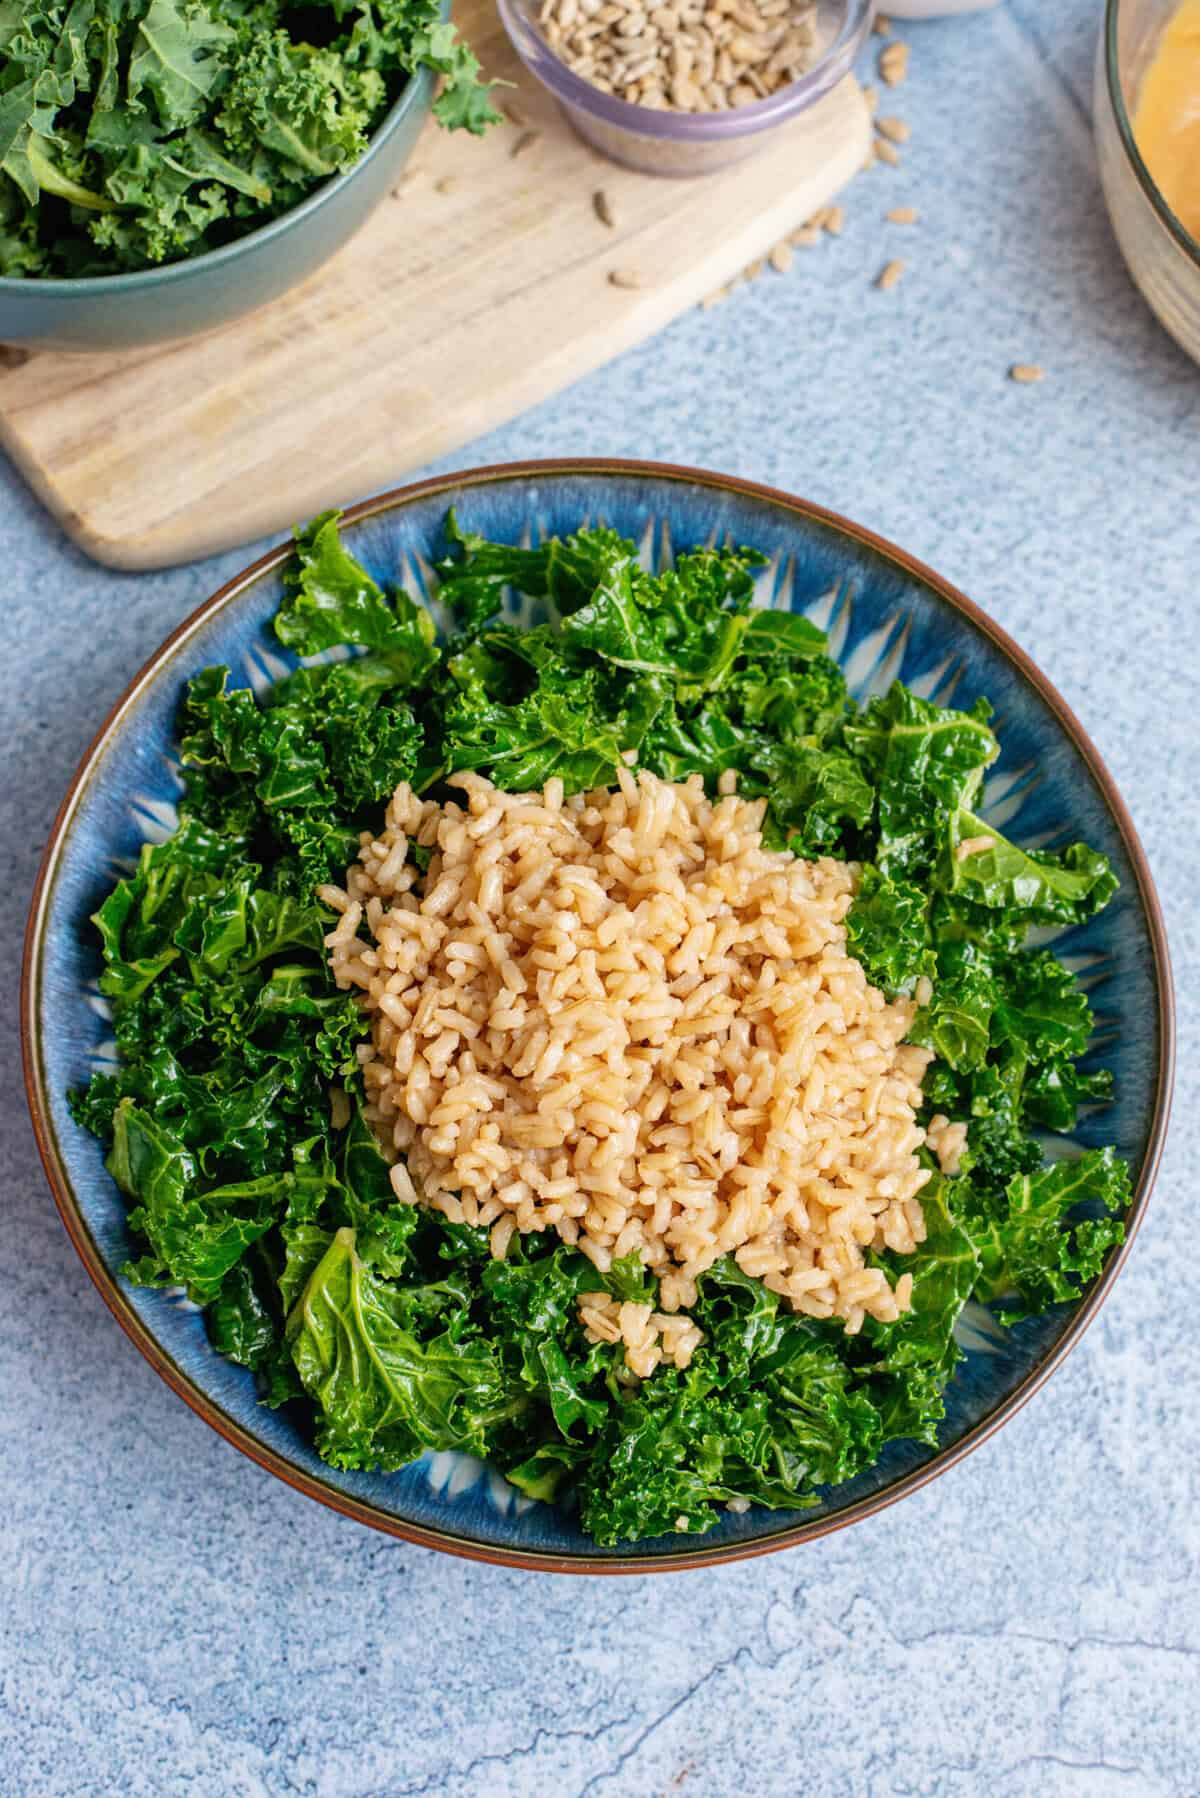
(362, 1511)
(1150, 187)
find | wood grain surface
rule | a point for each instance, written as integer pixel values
(479, 288)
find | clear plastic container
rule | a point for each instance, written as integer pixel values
(1163, 258)
(687, 143)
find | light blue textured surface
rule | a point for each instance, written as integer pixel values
(171, 1620)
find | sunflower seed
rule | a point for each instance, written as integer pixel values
(695, 55)
(893, 63)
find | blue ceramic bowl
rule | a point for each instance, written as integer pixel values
(182, 299)
(886, 617)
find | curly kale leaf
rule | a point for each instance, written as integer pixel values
(240, 1320)
(390, 1374)
(331, 742)
(924, 762)
(138, 132)
(476, 573)
(330, 599)
(1049, 1231)
(197, 1233)
(888, 930)
(1042, 886)
(918, 1353)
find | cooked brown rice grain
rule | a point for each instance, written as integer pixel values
(947, 1141)
(650, 1039)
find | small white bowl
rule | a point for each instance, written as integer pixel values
(933, 9)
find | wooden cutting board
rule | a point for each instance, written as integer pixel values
(479, 288)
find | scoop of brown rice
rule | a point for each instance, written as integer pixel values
(620, 1017)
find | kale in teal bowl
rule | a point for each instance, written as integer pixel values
(258, 1257)
(165, 168)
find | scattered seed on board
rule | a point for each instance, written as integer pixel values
(603, 208)
(835, 220)
(893, 63)
(886, 152)
(754, 269)
(883, 25)
(805, 237)
(781, 258)
(514, 114)
(525, 142)
(1026, 373)
(889, 274)
(624, 277)
(447, 185)
(903, 215)
(895, 130)
(870, 94)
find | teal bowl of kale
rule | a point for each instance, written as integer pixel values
(167, 167)
(427, 1344)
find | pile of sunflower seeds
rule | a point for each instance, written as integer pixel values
(683, 55)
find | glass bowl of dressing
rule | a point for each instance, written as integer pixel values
(1147, 123)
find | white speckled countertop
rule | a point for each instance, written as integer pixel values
(172, 1620)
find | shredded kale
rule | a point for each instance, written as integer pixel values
(137, 132)
(234, 1120)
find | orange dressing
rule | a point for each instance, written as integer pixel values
(1167, 122)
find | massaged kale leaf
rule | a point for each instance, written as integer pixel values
(233, 1119)
(139, 132)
